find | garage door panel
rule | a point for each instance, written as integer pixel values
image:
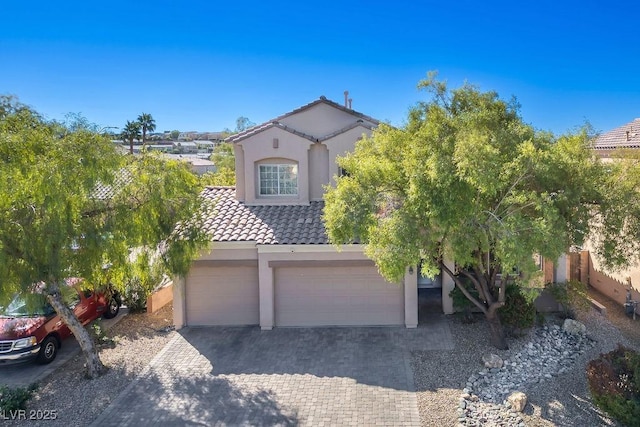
(325, 296)
(222, 296)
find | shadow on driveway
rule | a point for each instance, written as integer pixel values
(170, 398)
(287, 376)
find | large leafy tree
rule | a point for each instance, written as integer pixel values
(72, 206)
(130, 132)
(224, 159)
(465, 179)
(617, 224)
(148, 124)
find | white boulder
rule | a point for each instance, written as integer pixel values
(518, 401)
(574, 327)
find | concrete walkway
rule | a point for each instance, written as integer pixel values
(287, 376)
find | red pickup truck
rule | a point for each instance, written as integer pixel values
(31, 329)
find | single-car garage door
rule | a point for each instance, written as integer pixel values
(222, 296)
(325, 296)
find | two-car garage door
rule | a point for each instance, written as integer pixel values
(329, 296)
(303, 296)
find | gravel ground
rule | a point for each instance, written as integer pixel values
(76, 400)
(564, 400)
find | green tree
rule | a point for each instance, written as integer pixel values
(175, 134)
(617, 237)
(243, 123)
(70, 205)
(148, 124)
(224, 158)
(130, 132)
(467, 180)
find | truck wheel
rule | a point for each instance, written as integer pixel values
(48, 350)
(113, 307)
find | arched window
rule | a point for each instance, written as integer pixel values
(278, 179)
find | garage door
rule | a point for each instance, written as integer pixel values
(222, 296)
(325, 296)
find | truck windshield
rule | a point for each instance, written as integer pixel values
(27, 306)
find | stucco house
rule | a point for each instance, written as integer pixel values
(614, 284)
(626, 137)
(270, 262)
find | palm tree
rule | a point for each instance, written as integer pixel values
(130, 132)
(148, 124)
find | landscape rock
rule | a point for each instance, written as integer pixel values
(494, 396)
(517, 401)
(492, 361)
(574, 327)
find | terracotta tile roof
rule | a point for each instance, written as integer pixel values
(618, 137)
(276, 122)
(233, 221)
(105, 191)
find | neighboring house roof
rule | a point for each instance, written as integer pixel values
(185, 144)
(276, 123)
(104, 191)
(233, 221)
(625, 136)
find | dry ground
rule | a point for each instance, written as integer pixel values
(76, 400)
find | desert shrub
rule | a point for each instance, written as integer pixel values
(518, 311)
(15, 398)
(99, 335)
(571, 295)
(135, 295)
(614, 382)
(142, 281)
(461, 303)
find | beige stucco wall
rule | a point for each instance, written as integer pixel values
(290, 149)
(619, 276)
(315, 157)
(319, 120)
(159, 299)
(342, 144)
(318, 170)
(179, 302)
(240, 173)
(614, 284)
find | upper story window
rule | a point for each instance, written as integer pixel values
(278, 180)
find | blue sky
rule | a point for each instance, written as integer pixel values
(198, 65)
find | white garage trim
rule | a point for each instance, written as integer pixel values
(342, 296)
(222, 294)
(322, 263)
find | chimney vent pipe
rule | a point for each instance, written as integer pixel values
(346, 99)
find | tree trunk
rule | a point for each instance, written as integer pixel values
(94, 365)
(498, 339)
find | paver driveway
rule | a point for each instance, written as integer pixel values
(310, 376)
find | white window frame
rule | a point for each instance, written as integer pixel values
(279, 181)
